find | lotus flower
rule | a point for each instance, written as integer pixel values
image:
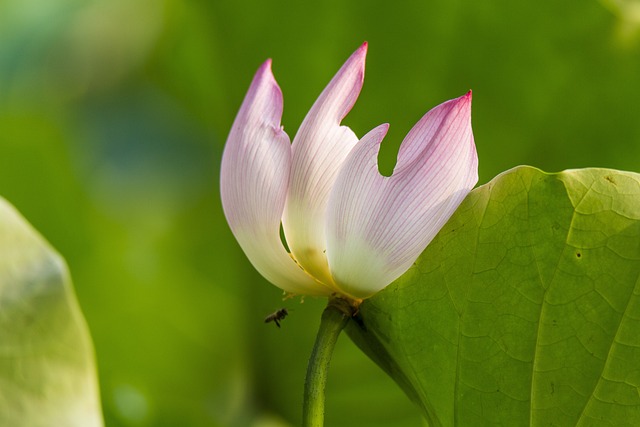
(348, 230)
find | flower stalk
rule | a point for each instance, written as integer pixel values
(334, 318)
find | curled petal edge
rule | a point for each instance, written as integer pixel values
(319, 149)
(377, 225)
(254, 179)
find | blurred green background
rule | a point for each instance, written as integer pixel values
(114, 113)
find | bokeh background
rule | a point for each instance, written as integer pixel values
(114, 113)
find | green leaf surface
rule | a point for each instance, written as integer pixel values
(524, 310)
(47, 372)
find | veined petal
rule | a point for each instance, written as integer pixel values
(254, 178)
(377, 226)
(319, 149)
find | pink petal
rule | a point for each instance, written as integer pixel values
(377, 226)
(254, 178)
(319, 149)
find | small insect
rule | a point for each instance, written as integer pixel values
(276, 316)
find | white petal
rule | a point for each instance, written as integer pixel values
(254, 178)
(377, 226)
(319, 149)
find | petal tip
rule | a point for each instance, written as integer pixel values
(263, 102)
(377, 134)
(358, 57)
(466, 98)
(264, 71)
(463, 103)
(341, 93)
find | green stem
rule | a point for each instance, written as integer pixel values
(334, 319)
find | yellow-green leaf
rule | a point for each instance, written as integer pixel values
(47, 370)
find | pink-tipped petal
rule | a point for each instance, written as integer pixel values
(254, 178)
(319, 149)
(378, 226)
